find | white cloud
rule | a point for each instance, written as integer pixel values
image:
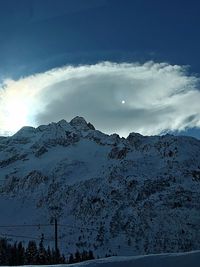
(157, 97)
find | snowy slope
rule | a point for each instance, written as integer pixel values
(163, 260)
(191, 259)
(111, 195)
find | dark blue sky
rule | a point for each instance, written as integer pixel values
(36, 35)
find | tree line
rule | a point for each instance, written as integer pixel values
(18, 254)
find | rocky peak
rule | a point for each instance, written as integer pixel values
(90, 126)
(24, 132)
(80, 122)
(149, 186)
(64, 125)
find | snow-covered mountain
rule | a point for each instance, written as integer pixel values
(109, 194)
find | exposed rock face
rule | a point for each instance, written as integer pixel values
(110, 194)
(80, 123)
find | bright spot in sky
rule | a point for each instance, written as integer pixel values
(152, 101)
(16, 114)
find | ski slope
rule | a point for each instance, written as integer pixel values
(188, 259)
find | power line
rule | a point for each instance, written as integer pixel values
(47, 225)
(129, 230)
(78, 227)
(26, 237)
(25, 225)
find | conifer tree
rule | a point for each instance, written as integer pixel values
(84, 256)
(91, 255)
(77, 256)
(20, 254)
(4, 253)
(49, 259)
(71, 258)
(42, 254)
(13, 255)
(31, 254)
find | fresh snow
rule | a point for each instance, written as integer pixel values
(190, 259)
(111, 195)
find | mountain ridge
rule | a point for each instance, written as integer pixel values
(113, 195)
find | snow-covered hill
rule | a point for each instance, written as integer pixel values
(191, 259)
(112, 195)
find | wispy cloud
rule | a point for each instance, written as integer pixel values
(149, 98)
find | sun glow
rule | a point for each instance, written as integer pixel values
(16, 111)
(17, 99)
(17, 115)
(149, 98)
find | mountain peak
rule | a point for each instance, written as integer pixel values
(26, 131)
(80, 122)
(91, 180)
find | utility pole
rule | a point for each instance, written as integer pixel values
(56, 238)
